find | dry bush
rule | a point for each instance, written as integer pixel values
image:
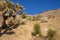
(44, 20)
(38, 17)
(50, 16)
(22, 21)
(33, 18)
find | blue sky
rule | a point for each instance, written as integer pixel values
(38, 6)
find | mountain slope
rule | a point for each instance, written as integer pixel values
(46, 19)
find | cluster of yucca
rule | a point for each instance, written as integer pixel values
(50, 34)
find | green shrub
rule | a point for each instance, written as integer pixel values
(51, 34)
(37, 28)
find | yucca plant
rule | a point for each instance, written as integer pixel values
(51, 34)
(37, 29)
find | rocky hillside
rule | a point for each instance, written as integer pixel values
(46, 19)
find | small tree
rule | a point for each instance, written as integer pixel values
(11, 9)
(51, 34)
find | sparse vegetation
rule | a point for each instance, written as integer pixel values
(44, 20)
(37, 29)
(50, 16)
(51, 34)
(38, 17)
(33, 18)
(24, 22)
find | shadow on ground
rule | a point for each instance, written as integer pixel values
(7, 30)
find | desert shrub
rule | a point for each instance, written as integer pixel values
(51, 34)
(44, 20)
(22, 21)
(38, 17)
(29, 18)
(50, 16)
(33, 18)
(37, 28)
